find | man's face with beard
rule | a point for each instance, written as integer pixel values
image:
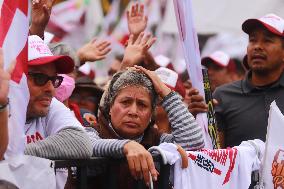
(40, 96)
(265, 52)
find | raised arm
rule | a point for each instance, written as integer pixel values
(136, 49)
(93, 51)
(185, 130)
(4, 103)
(41, 10)
(136, 20)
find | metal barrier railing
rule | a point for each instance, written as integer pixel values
(82, 166)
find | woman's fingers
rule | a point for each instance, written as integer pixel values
(139, 38)
(151, 167)
(145, 39)
(141, 11)
(145, 169)
(131, 166)
(131, 39)
(150, 42)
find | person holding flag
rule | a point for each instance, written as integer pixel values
(239, 102)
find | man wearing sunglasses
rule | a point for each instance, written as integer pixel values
(51, 129)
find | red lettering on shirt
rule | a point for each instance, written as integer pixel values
(33, 138)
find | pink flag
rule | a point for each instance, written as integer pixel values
(14, 29)
(188, 37)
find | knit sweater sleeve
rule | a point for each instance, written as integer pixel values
(68, 143)
(185, 130)
(106, 147)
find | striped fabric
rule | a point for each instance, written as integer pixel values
(69, 143)
(185, 131)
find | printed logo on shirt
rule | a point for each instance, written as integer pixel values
(277, 170)
(220, 162)
(33, 138)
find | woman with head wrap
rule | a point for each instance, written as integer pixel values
(127, 118)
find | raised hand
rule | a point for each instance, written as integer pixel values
(196, 103)
(136, 19)
(136, 49)
(41, 10)
(140, 162)
(161, 89)
(4, 80)
(94, 50)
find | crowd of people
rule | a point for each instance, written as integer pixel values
(143, 104)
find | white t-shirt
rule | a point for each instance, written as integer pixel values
(223, 169)
(58, 118)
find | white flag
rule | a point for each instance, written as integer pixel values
(188, 36)
(14, 28)
(273, 162)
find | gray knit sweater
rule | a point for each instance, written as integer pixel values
(185, 131)
(68, 143)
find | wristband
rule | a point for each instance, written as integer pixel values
(4, 106)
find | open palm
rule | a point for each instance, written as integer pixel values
(41, 10)
(136, 49)
(136, 19)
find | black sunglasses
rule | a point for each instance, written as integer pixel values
(41, 79)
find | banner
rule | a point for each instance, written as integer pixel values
(188, 37)
(273, 162)
(14, 29)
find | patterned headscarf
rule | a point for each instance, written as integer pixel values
(125, 79)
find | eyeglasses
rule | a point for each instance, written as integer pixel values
(41, 79)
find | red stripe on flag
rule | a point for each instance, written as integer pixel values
(9, 8)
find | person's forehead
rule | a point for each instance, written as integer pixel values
(211, 64)
(137, 91)
(262, 30)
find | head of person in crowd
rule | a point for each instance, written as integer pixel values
(221, 69)
(170, 78)
(128, 106)
(87, 94)
(60, 48)
(115, 65)
(42, 77)
(64, 91)
(265, 50)
(86, 70)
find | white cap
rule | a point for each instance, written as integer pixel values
(219, 57)
(162, 60)
(167, 76)
(85, 69)
(272, 22)
(48, 37)
(37, 48)
(40, 54)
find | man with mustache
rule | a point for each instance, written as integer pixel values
(243, 106)
(51, 129)
(48, 120)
